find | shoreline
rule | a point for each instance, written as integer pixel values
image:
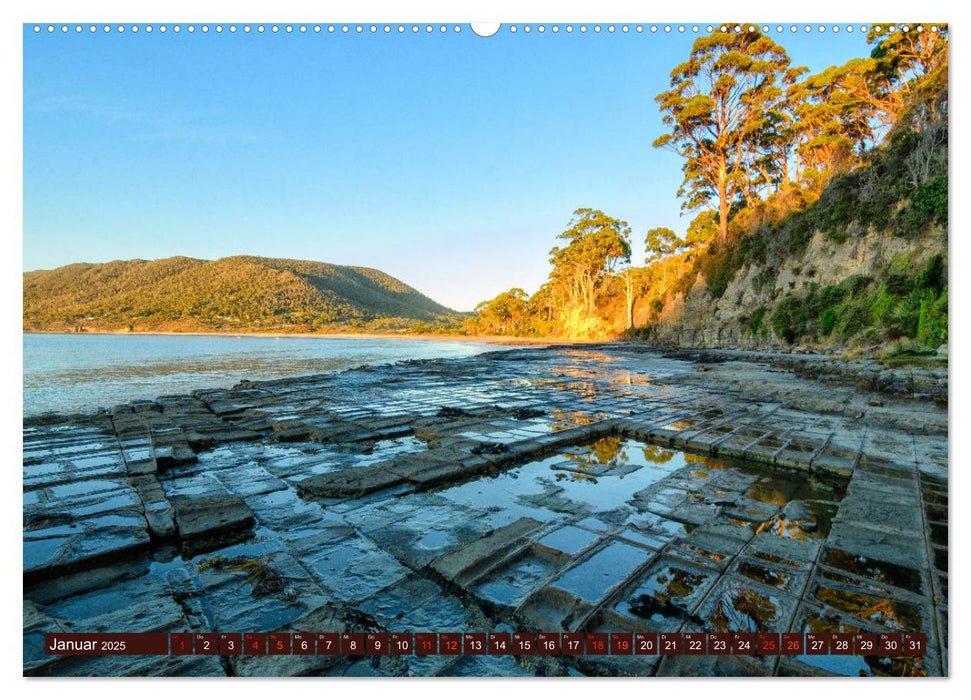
(915, 383)
(487, 339)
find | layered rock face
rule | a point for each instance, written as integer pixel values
(700, 319)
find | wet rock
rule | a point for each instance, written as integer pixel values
(350, 482)
(490, 448)
(211, 516)
(464, 564)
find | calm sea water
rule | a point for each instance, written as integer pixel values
(80, 373)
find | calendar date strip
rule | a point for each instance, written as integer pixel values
(484, 643)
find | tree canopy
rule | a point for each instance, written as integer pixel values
(598, 245)
(718, 109)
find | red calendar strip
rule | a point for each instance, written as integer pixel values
(483, 643)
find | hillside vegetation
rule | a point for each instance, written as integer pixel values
(819, 204)
(235, 293)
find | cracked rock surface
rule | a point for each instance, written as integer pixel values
(607, 488)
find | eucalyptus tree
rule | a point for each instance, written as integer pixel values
(718, 109)
(598, 246)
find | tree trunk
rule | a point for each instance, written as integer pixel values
(722, 208)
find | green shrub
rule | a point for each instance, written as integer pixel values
(932, 323)
(787, 318)
(855, 315)
(827, 320)
(718, 269)
(931, 199)
(754, 325)
(933, 276)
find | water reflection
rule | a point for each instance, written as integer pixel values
(81, 372)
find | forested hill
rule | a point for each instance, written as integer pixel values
(235, 293)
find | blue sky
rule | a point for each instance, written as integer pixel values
(448, 160)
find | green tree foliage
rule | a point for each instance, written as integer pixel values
(772, 156)
(718, 109)
(506, 314)
(661, 242)
(831, 125)
(703, 229)
(907, 77)
(598, 245)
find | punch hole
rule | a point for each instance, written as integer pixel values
(484, 29)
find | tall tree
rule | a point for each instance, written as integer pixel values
(598, 245)
(832, 123)
(908, 76)
(717, 109)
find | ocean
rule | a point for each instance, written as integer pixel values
(80, 373)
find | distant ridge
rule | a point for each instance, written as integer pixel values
(235, 293)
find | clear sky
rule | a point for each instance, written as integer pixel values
(450, 161)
